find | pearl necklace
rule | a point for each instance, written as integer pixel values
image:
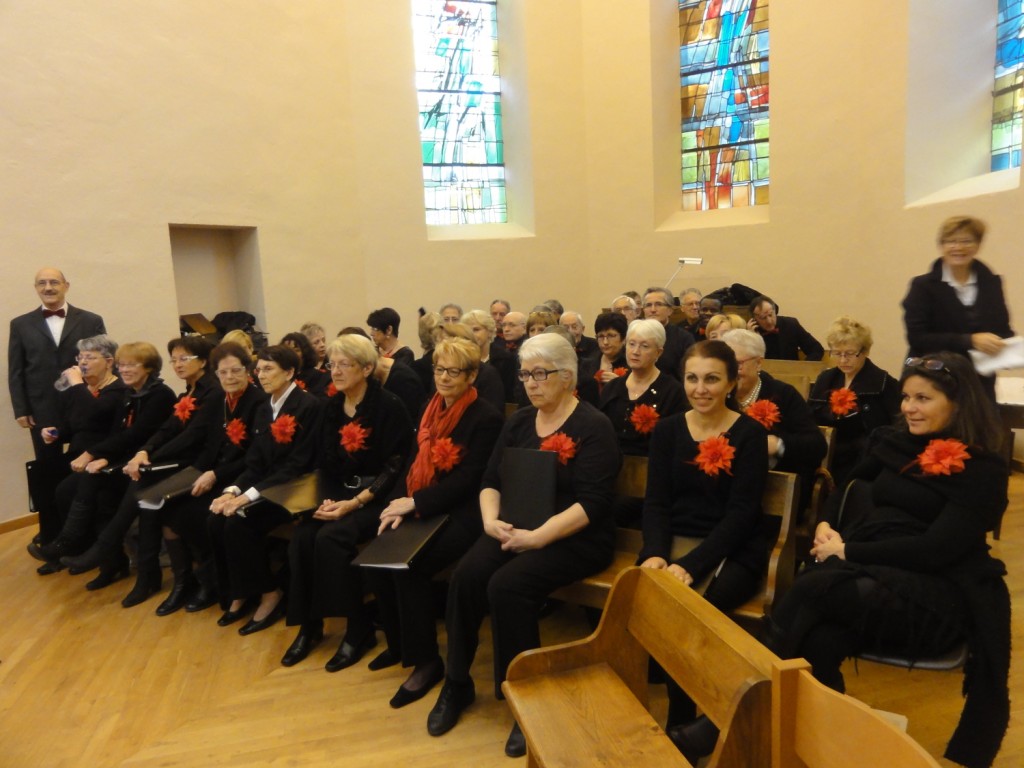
(749, 399)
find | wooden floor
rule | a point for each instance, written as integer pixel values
(84, 682)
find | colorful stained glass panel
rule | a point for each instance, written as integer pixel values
(460, 111)
(723, 71)
(1008, 93)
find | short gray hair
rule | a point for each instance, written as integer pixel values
(648, 330)
(102, 344)
(746, 342)
(630, 299)
(553, 349)
(357, 348)
(479, 317)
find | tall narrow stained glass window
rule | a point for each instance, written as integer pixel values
(1008, 94)
(460, 110)
(723, 70)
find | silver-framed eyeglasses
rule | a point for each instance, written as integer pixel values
(184, 359)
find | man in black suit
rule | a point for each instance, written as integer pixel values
(586, 347)
(784, 337)
(42, 344)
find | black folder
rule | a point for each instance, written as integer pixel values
(527, 487)
(178, 484)
(397, 548)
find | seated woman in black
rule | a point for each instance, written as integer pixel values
(442, 477)
(424, 365)
(854, 398)
(488, 381)
(365, 438)
(510, 571)
(176, 442)
(145, 405)
(230, 423)
(491, 355)
(283, 447)
(309, 377)
(383, 324)
(911, 572)
(85, 417)
(610, 331)
(706, 475)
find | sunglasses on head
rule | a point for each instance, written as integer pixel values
(929, 364)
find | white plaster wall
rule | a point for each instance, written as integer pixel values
(120, 117)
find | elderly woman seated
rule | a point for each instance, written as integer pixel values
(428, 331)
(855, 397)
(309, 376)
(318, 340)
(719, 325)
(610, 331)
(515, 564)
(538, 320)
(495, 356)
(795, 444)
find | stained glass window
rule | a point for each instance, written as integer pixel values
(723, 70)
(460, 110)
(1007, 101)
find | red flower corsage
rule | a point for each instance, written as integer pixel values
(620, 371)
(643, 419)
(353, 436)
(184, 407)
(942, 457)
(283, 428)
(842, 401)
(765, 412)
(561, 444)
(445, 454)
(332, 390)
(715, 455)
(235, 430)
(300, 384)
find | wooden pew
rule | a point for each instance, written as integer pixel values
(584, 703)
(780, 501)
(800, 373)
(816, 727)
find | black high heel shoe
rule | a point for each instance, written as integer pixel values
(230, 617)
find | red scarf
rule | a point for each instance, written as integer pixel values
(437, 422)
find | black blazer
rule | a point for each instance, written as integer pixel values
(790, 339)
(138, 416)
(936, 321)
(220, 453)
(677, 341)
(269, 462)
(403, 382)
(457, 492)
(84, 419)
(35, 362)
(803, 444)
(183, 434)
(665, 395)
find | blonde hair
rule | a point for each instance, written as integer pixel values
(239, 337)
(733, 321)
(846, 330)
(465, 353)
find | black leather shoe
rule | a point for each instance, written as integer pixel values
(34, 547)
(93, 557)
(60, 547)
(252, 626)
(230, 617)
(106, 578)
(454, 698)
(181, 592)
(695, 739)
(203, 598)
(145, 587)
(301, 646)
(349, 653)
(383, 660)
(47, 568)
(515, 746)
(408, 695)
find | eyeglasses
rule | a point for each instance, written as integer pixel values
(764, 315)
(655, 305)
(929, 364)
(184, 359)
(608, 337)
(643, 346)
(452, 372)
(127, 366)
(846, 355)
(691, 304)
(90, 358)
(962, 242)
(537, 374)
(340, 365)
(745, 360)
(222, 372)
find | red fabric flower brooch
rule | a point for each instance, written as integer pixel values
(643, 419)
(842, 401)
(715, 455)
(942, 457)
(561, 444)
(445, 454)
(283, 428)
(300, 384)
(353, 437)
(184, 408)
(765, 412)
(332, 390)
(235, 430)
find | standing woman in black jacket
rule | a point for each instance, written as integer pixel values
(365, 438)
(283, 447)
(958, 305)
(442, 477)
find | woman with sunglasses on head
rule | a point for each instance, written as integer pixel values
(510, 571)
(908, 571)
(364, 440)
(441, 477)
(959, 304)
(854, 397)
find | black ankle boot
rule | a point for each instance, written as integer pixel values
(695, 739)
(206, 595)
(147, 584)
(184, 581)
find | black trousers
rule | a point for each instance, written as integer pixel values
(240, 550)
(50, 468)
(323, 580)
(405, 599)
(513, 587)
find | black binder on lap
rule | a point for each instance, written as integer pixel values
(397, 548)
(527, 487)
